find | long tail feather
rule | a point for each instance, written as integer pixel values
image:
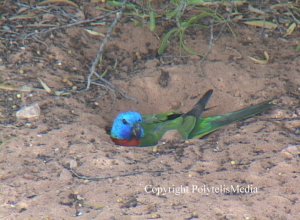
(199, 108)
(205, 126)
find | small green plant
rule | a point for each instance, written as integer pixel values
(183, 23)
(141, 14)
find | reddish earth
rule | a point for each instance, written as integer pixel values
(259, 155)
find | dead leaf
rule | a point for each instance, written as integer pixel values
(56, 2)
(45, 86)
(94, 33)
(14, 88)
(291, 29)
(256, 10)
(22, 17)
(262, 24)
(265, 61)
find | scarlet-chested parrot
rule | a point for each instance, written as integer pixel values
(135, 129)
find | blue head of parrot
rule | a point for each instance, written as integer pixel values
(127, 125)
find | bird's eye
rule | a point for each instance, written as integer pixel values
(125, 122)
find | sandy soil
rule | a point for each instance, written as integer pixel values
(259, 156)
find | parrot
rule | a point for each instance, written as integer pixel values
(132, 129)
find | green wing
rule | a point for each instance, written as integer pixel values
(155, 131)
(205, 126)
(156, 118)
(155, 126)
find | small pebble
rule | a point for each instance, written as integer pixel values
(280, 114)
(79, 213)
(120, 200)
(73, 164)
(194, 215)
(154, 216)
(191, 174)
(65, 176)
(29, 112)
(291, 151)
(155, 149)
(22, 206)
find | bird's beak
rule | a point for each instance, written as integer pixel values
(137, 130)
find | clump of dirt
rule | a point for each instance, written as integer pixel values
(259, 156)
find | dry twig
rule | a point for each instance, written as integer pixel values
(99, 56)
(99, 178)
(66, 26)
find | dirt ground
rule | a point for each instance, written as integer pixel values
(260, 156)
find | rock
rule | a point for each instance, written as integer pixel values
(22, 206)
(292, 125)
(291, 151)
(29, 112)
(129, 202)
(73, 164)
(65, 176)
